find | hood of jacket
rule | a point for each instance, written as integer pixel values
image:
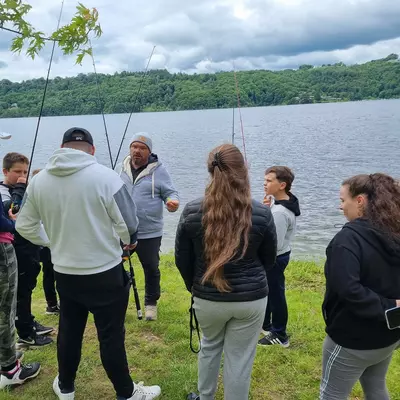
(152, 164)
(388, 247)
(67, 161)
(292, 204)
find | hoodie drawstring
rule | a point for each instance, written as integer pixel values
(152, 185)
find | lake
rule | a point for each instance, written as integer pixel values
(322, 143)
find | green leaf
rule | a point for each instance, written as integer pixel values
(71, 38)
(17, 44)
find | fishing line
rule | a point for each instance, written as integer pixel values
(44, 93)
(134, 106)
(233, 125)
(102, 103)
(240, 114)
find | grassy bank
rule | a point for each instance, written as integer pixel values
(159, 353)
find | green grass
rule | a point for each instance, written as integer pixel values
(158, 352)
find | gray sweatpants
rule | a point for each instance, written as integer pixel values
(342, 368)
(233, 328)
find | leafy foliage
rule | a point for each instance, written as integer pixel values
(71, 38)
(161, 91)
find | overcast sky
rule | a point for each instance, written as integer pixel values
(213, 35)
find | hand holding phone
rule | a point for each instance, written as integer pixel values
(393, 317)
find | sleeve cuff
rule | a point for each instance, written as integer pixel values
(133, 238)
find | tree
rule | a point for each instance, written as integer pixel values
(163, 91)
(71, 38)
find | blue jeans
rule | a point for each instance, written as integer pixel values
(276, 315)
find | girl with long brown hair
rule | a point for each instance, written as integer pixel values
(362, 282)
(225, 242)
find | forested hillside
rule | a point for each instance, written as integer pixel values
(378, 79)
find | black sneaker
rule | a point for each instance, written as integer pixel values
(33, 342)
(53, 310)
(42, 330)
(19, 375)
(274, 338)
(192, 396)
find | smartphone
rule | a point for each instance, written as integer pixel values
(393, 318)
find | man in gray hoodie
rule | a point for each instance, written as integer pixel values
(151, 187)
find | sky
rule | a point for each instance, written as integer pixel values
(201, 36)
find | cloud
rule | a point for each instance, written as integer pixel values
(211, 35)
(3, 64)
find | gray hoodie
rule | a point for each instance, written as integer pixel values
(85, 209)
(285, 213)
(151, 190)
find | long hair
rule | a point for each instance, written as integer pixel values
(227, 213)
(383, 201)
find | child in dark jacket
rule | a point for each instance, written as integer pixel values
(12, 372)
(12, 189)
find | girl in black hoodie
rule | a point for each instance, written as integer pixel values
(362, 281)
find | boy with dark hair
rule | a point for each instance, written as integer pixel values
(12, 372)
(12, 190)
(285, 209)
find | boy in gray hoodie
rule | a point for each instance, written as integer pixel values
(285, 210)
(151, 187)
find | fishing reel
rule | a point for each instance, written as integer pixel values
(15, 208)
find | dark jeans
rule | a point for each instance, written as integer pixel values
(277, 306)
(28, 271)
(49, 286)
(148, 251)
(106, 296)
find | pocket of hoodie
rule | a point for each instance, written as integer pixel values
(153, 220)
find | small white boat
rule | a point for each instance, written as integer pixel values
(5, 135)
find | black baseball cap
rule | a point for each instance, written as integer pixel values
(77, 135)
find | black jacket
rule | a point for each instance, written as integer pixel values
(362, 273)
(6, 224)
(15, 196)
(246, 277)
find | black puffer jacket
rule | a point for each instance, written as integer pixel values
(247, 277)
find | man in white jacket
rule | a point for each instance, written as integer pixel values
(85, 210)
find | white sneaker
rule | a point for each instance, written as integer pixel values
(151, 313)
(57, 391)
(145, 392)
(19, 375)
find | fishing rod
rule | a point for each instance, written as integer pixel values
(102, 103)
(240, 114)
(16, 207)
(44, 92)
(134, 106)
(127, 256)
(233, 125)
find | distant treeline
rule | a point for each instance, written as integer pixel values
(162, 91)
